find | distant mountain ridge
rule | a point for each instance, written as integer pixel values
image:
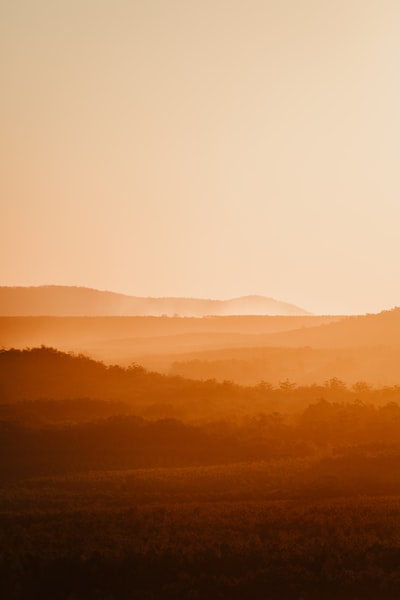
(53, 300)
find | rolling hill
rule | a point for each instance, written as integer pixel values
(381, 329)
(55, 300)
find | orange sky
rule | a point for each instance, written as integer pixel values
(203, 148)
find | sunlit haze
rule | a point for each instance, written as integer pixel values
(206, 149)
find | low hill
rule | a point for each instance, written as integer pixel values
(382, 329)
(47, 375)
(55, 300)
(377, 366)
(121, 339)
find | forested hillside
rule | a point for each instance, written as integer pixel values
(122, 483)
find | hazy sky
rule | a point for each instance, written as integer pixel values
(210, 148)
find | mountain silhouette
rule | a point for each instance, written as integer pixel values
(55, 300)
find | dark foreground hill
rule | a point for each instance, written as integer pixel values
(55, 300)
(120, 483)
(61, 413)
(47, 374)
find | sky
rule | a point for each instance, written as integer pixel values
(203, 148)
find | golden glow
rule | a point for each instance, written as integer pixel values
(209, 149)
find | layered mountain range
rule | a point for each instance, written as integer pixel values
(80, 301)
